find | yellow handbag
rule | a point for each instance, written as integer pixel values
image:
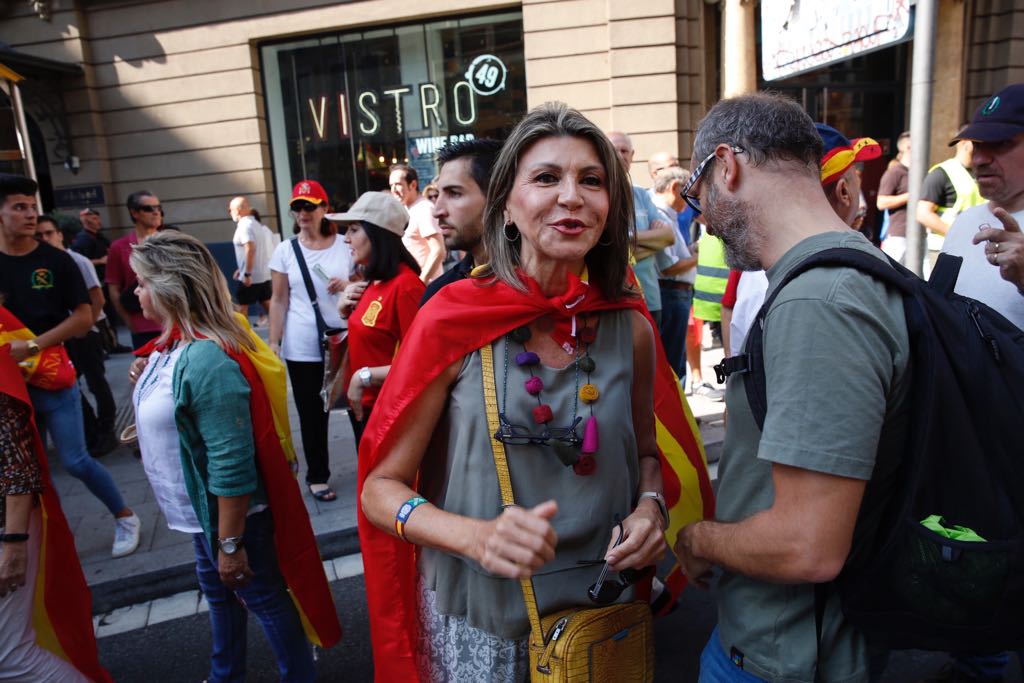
(613, 644)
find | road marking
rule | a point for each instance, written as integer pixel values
(189, 603)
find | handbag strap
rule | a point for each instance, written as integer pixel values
(504, 478)
(321, 324)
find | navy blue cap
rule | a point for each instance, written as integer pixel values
(1000, 118)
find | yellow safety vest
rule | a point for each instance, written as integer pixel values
(712, 277)
(967, 195)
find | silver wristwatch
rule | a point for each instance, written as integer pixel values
(660, 500)
(230, 545)
(364, 376)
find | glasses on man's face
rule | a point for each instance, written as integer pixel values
(519, 435)
(603, 591)
(308, 207)
(692, 199)
(152, 208)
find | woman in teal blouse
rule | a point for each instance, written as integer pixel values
(192, 406)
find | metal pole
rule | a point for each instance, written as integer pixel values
(920, 126)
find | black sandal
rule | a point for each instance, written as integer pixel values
(324, 496)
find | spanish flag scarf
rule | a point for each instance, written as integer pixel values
(297, 553)
(460, 319)
(62, 608)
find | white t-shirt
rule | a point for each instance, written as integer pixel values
(250, 230)
(978, 278)
(88, 271)
(153, 399)
(422, 225)
(301, 340)
(750, 294)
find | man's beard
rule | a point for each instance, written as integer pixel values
(730, 219)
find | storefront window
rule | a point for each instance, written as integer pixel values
(342, 108)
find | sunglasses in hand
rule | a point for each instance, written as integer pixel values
(605, 591)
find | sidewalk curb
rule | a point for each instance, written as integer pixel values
(110, 595)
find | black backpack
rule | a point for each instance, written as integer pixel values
(910, 587)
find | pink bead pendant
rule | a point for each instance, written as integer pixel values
(590, 441)
(534, 385)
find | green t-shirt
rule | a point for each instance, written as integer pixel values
(836, 351)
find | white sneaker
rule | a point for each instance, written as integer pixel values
(127, 531)
(709, 392)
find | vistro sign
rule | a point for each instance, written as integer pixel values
(485, 77)
(801, 36)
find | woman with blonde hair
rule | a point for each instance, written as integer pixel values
(210, 436)
(533, 353)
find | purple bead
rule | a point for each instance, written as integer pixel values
(527, 358)
(590, 441)
(534, 385)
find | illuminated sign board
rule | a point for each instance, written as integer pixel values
(802, 35)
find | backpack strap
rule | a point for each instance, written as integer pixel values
(321, 324)
(751, 361)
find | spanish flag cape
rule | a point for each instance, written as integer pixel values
(297, 553)
(62, 607)
(460, 319)
(50, 369)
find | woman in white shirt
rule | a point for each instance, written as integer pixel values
(293, 330)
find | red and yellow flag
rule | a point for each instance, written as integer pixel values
(49, 369)
(460, 319)
(62, 607)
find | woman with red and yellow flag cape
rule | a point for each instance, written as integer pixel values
(559, 207)
(45, 605)
(213, 430)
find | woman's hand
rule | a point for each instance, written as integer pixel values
(518, 542)
(350, 297)
(335, 285)
(643, 541)
(355, 397)
(234, 569)
(136, 368)
(13, 565)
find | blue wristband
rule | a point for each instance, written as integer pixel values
(402, 516)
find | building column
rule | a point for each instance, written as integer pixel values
(739, 57)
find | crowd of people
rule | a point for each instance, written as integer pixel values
(520, 336)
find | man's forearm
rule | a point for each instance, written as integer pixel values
(250, 257)
(75, 325)
(891, 201)
(659, 236)
(115, 301)
(927, 217)
(434, 256)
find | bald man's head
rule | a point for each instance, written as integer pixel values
(238, 208)
(660, 161)
(623, 145)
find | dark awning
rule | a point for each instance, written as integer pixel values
(34, 67)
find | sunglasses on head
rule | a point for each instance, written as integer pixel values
(302, 205)
(604, 591)
(151, 208)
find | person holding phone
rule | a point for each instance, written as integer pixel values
(294, 331)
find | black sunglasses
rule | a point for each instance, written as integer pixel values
(692, 199)
(519, 435)
(603, 591)
(151, 208)
(300, 206)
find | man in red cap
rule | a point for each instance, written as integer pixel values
(988, 236)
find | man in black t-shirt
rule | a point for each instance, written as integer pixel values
(44, 289)
(893, 194)
(90, 242)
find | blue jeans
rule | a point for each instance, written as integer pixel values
(716, 667)
(60, 414)
(675, 317)
(265, 596)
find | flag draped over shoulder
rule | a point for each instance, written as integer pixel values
(460, 319)
(62, 608)
(297, 553)
(49, 369)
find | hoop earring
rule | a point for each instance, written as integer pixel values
(505, 228)
(609, 243)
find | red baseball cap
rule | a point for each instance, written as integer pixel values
(310, 191)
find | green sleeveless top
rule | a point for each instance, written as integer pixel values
(458, 475)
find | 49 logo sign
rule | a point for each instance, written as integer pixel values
(486, 75)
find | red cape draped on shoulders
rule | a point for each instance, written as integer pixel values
(457, 321)
(62, 608)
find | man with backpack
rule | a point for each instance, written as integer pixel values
(836, 378)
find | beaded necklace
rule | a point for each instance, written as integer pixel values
(564, 441)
